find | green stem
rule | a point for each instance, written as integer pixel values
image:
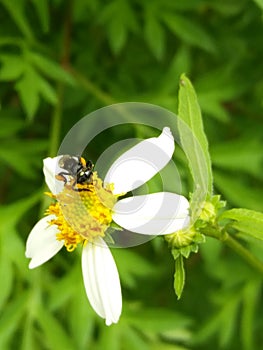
(92, 88)
(56, 123)
(101, 95)
(65, 62)
(54, 137)
(236, 246)
(244, 253)
(54, 140)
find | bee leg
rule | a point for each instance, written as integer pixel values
(79, 189)
(61, 177)
(82, 189)
(89, 165)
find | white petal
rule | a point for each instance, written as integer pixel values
(141, 162)
(51, 169)
(153, 214)
(42, 244)
(101, 280)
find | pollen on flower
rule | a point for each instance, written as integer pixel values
(83, 214)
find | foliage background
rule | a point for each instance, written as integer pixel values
(60, 60)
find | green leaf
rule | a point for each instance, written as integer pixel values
(228, 8)
(259, 3)
(176, 6)
(6, 275)
(50, 68)
(29, 154)
(11, 40)
(16, 255)
(181, 62)
(82, 316)
(30, 87)
(238, 191)
(117, 34)
(27, 88)
(216, 87)
(158, 319)
(28, 341)
(64, 290)
(222, 323)
(18, 15)
(9, 125)
(194, 141)
(12, 67)
(179, 276)
(189, 31)
(83, 11)
(154, 35)
(55, 335)
(250, 309)
(213, 107)
(131, 339)
(241, 154)
(47, 91)
(128, 262)
(165, 346)
(246, 221)
(11, 317)
(110, 339)
(119, 18)
(228, 318)
(8, 219)
(43, 13)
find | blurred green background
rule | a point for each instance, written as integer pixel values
(60, 60)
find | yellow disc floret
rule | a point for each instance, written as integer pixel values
(82, 212)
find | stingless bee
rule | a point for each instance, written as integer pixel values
(78, 169)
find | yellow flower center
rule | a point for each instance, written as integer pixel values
(82, 212)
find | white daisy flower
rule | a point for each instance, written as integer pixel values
(83, 212)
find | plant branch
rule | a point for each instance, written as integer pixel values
(92, 88)
(244, 253)
(54, 137)
(236, 246)
(65, 62)
(56, 123)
